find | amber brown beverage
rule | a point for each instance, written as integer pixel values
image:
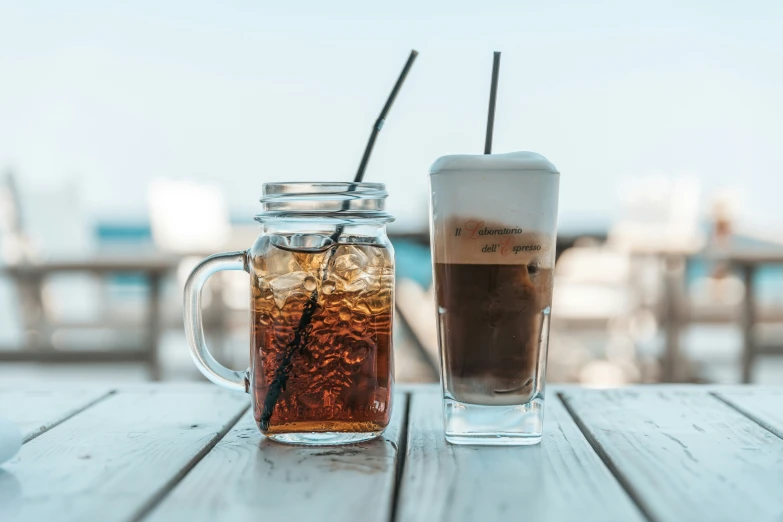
(339, 377)
(322, 299)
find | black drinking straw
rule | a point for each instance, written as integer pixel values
(493, 93)
(302, 332)
(382, 118)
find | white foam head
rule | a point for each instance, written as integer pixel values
(494, 209)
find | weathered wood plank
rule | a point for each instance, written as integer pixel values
(247, 477)
(763, 405)
(685, 455)
(560, 479)
(36, 411)
(114, 459)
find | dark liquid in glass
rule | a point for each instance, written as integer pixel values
(340, 380)
(491, 322)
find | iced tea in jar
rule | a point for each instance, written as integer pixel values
(322, 302)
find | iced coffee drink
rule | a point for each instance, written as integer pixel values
(493, 238)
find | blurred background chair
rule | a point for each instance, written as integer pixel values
(191, 220)
(73, 304)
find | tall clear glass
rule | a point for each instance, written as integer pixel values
(322, 302)
(493, 229)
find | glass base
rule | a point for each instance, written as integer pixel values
(328, 438)
(516, 425)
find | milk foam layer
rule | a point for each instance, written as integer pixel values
(513, 161)
(494, 209)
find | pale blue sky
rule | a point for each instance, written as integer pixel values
(249, 92)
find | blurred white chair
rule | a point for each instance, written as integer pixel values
(56, 221)
(47, 222)
(187, 217)
(58, 226)
(192, 219)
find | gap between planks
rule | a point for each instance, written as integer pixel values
(290, 481)
(607, 460)
(560, 479)
(69, 415)
(176, 479)
(674, 469)
(112, 459)
(750, 415)
(164, 491)
(402, 451)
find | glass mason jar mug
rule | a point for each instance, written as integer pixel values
(322, 285)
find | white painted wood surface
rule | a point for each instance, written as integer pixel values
(763, 405)
(112, 461)
(246, 477)
(560, 479)
(36, 411)
(172, 452)
(685, 455)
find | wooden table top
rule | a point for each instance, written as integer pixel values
(193, 453)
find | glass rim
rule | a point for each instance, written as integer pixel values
(322, 190)
(335, 202)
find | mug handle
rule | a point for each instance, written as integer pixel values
(194, 329)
